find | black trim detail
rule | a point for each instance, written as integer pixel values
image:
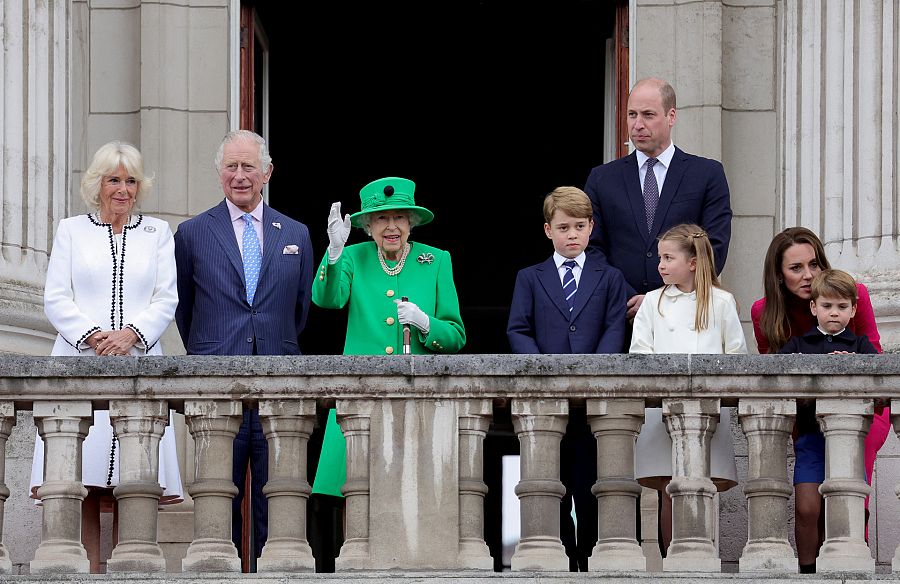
(77, 345)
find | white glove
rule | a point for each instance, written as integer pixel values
(338, 232)
(409, 313)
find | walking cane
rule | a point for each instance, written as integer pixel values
(405, 331)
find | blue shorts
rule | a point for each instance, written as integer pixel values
(809, 462)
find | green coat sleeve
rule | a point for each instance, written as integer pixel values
(331, 284)
(446, 332)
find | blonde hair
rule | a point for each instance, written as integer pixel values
(693, 240)
(570, 200)
(834, 284)
(106, 161)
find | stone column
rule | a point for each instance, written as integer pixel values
(840, 153)
(7, 421)
(354, 416)
(287, 425)
(767, 425)
(213, 424)
(139, 426)
(615, 424)
(474, 420)
(845, 423)
(691, 424)
(34, 139)
(540, 424)
(63, 426)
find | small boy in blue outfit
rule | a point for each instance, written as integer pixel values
(833, 303)
(571, 303)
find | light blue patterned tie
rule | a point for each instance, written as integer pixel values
(568, 283)
(252, 257)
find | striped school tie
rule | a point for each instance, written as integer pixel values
(568, 282)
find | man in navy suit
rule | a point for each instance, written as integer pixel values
(632, 209)
(227, 306)
(571, 303)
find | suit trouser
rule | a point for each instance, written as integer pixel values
(250, 446)
(578, 473)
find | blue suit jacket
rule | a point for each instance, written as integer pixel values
(213, 315)
(540, 321)
(695, 191)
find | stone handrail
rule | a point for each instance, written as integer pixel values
(415, 427)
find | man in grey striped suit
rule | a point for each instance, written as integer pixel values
(244, 280)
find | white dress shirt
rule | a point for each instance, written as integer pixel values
(576, 271)
(659, 169)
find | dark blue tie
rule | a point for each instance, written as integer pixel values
(651, 192)
(568, 282)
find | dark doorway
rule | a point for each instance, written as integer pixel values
(486, 105)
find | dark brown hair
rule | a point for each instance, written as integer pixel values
(774, 322)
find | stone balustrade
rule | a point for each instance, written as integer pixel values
(415, 428)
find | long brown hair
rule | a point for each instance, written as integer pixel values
(774, 323)
(693, 240)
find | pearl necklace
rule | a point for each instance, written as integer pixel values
(399, 267)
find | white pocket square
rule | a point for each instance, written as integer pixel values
(290, 249)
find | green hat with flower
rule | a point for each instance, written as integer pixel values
(389, 194)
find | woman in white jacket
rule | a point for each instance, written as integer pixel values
(110, 291)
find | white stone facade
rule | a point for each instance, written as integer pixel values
(797, 98)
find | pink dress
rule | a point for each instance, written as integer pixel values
(801, 320)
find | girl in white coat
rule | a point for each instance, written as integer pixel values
(691, 313)
(110, 291)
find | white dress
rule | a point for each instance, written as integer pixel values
(668, 327)
(100, 281)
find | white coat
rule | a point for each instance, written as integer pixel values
(668, 327)
(96, 281)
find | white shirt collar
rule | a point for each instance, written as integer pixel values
(665, 158)
(559, 259)
(673, 291)
(828, 334)
(237, 213)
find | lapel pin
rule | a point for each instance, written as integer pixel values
(149, 228)
(276, 225)
(425, 258)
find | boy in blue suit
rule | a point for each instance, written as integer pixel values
(571, 303)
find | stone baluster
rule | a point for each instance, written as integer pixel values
(7, 421)
(63, 427)
(615, 424)
(540, 425)
(474, 420)
(845, 423)
(355, 418)
(139, 426)
(767, 425)
(287, 425)
(895, 421)
(213, 424)
(691, 424)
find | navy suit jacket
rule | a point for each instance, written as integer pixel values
(540, 321)
(213, 315)
(695, 191)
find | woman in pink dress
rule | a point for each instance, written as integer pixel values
(793, 259)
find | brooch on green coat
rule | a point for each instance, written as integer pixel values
(425, 258)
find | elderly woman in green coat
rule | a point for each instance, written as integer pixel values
(389, 284)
